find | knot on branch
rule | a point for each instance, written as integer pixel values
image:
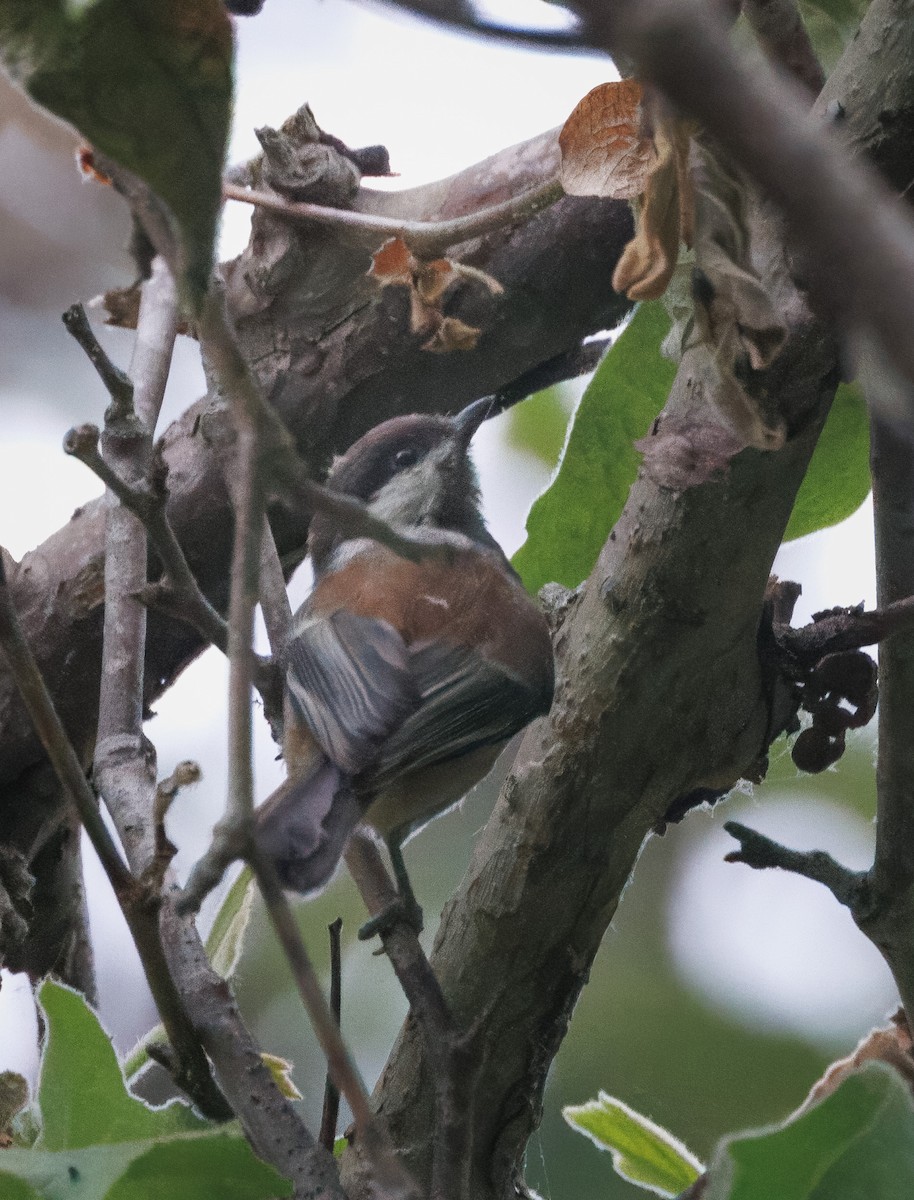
(302, 162)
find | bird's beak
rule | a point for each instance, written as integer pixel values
(468, 420)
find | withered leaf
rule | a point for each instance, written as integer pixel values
(395, 263)
(452, 334)
(734, 314)
(648, 261)
(604, 150)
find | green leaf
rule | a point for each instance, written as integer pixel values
(189, 1167)
(538, 425)
(838, 479)
(148, 83)
(199, 1168)
(226, 938)
(831, 25)
(642, 1152)
(856, 1144)
(81, 1092)
(569, 523)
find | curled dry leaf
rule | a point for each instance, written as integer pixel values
(649, 260)
(734, 314)
(604, 150)
(890, 1045)
(428, 281)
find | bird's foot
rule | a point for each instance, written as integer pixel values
(403, 911)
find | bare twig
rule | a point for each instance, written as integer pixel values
(233, 836)
(124, 767)
(847, 629)
(425, 238)
(118, 385)
(784, 38)
(340, 1065)
(464, 18)
(683, 48)
(454, 1056)
(755, 850)
(331, 1107)
(181, 594)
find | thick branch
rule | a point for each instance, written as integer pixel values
(891, 921)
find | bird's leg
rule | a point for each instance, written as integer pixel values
(405, 908)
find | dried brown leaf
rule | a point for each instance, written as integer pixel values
(605, 152)
(452, 334)
(393, 262)
(648, 261)
(734, 314)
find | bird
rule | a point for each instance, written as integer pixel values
(403, 679)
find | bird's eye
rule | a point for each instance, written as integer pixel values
(405, 458)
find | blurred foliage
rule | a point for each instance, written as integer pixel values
(569, 523)
(856, 1143)
(146, 82)
(538, 425)
(838, 479)
(98, 1142)
(832, 24)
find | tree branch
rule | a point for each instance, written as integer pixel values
(425, 238)
(890, 921)
(760, 852)
(779, 28)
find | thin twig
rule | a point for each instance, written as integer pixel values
(181, 593)
(425, 238)
(124, 766)
(782, 35)
(118, 385)
(847, 629)
(455, 1057)
(131, 895)
(760, 852)
(58, 747)
(339, 1063)
(464, 18)
(331, 1107)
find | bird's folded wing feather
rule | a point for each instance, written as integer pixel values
(467, 701)
(350, 679)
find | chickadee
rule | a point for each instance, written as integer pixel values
(404, 680)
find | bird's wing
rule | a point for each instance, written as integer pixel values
(351, 680)
(467, 701)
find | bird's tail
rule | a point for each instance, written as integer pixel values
(305, 824)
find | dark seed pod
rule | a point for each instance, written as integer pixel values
(814, 750)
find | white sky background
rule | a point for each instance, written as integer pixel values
(439, 102)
